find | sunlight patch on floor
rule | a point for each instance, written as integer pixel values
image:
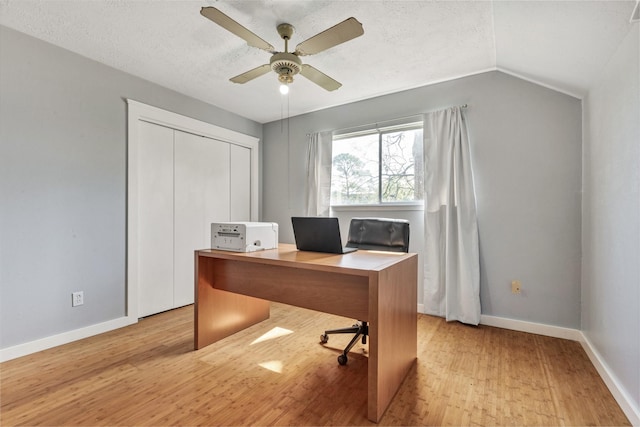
(276, 332)
(272, 365)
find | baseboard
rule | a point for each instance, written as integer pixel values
(63, 338)
(531, 327)
(628, 406)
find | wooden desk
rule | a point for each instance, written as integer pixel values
(233, 291)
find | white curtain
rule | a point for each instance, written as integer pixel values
(319, 174)
(452, 259)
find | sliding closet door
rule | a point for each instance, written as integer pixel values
(240, 197)
(182, 175)
(202, 183)
(155, 218)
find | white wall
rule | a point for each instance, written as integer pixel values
(526, 153)
(63, 184)
(611, 225)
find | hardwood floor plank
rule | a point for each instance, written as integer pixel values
(276, 373)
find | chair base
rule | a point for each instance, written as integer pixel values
(359, 329)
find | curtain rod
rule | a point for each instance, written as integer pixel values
(399, 119)
(446, 108)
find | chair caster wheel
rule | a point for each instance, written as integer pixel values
(342, 359)
(324, 338)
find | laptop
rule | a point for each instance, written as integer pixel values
(318, 234)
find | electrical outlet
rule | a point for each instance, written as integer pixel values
(77, 298)
(516, 287)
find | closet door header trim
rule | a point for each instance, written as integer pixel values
(148, 113)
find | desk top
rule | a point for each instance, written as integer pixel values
(360, 262)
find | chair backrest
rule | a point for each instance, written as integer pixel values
(382, 234)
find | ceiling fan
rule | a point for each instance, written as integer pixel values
(287, 64)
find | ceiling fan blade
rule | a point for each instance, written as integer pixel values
(251, 74)
(319, 78)
(340, 33)
(229, 24)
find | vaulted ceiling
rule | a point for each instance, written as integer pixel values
(406, 44)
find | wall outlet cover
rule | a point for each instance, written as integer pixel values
(77, 298)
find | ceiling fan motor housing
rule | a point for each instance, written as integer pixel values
(286, 65)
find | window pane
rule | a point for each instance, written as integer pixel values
(354, 171)
(402, 170)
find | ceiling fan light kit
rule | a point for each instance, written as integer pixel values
(287, 64)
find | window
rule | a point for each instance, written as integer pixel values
(378, 166)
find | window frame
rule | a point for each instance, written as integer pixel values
(380, 131)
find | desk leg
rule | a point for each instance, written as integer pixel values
(219, 314)
(393, 332)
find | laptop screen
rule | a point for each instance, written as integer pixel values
(318, 234)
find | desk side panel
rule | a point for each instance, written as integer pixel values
(219, 314)
(393, 332)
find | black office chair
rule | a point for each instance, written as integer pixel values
(381, 234)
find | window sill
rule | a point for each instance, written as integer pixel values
(398, 207)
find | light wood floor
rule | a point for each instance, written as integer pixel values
(148, 374)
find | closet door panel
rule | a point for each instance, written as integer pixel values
(240, 196)
(155, 210)
(201, 197)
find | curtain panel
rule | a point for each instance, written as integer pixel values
(318, 201)
(452, 258)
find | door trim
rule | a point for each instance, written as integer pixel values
(140, 112)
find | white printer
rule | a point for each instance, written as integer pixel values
(244, 236)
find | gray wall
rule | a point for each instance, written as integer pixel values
(611, 211)
(63, 184)
(526, 152)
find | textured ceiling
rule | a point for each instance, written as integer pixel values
(406, 44)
